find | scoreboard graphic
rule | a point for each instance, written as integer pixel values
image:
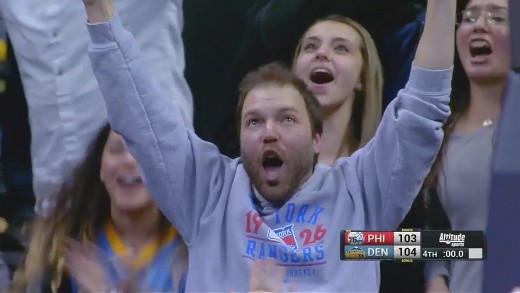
(408, 245)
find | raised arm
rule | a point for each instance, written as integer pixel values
(184, 174)
(393, 165)
(436, 48)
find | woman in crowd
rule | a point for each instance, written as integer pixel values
(105, 231)
(462, 172)
(338, 60)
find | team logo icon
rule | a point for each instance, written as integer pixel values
(284, 236)
(354, 252)
(355, 238)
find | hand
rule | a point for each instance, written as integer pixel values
(82, 261)
(88, 265)
(266, 276)
(437, 285)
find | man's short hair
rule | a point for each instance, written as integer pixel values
(279, 74)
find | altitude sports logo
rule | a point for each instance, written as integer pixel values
(455, 240)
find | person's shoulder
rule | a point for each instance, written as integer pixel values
(322, 168)
(235, 163)
(324, 171)
(238, 166)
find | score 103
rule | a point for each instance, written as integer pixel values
(381, 238)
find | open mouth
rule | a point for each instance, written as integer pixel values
(129, 181)
(321, 76)
(272, 163)
(480, 48)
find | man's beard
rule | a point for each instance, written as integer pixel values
(288, 184)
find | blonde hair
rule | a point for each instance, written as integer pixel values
(44, 259)
(367, 106)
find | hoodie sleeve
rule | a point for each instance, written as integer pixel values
(391, 168)
(185, 175)
(434, 269)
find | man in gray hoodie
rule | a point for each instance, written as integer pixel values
(274, 202)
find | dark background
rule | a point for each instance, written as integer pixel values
(224, 39)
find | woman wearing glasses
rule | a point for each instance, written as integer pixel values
(462, 172)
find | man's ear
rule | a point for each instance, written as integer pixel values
(359, 86)
(317, 143)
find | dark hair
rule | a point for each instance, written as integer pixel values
(82, 207)
(435, 215)
(277, 73)
(459, 103)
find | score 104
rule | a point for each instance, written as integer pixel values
(387, 252)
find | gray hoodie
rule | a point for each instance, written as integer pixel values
(208, 196)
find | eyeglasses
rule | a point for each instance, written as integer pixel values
(492, 17)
